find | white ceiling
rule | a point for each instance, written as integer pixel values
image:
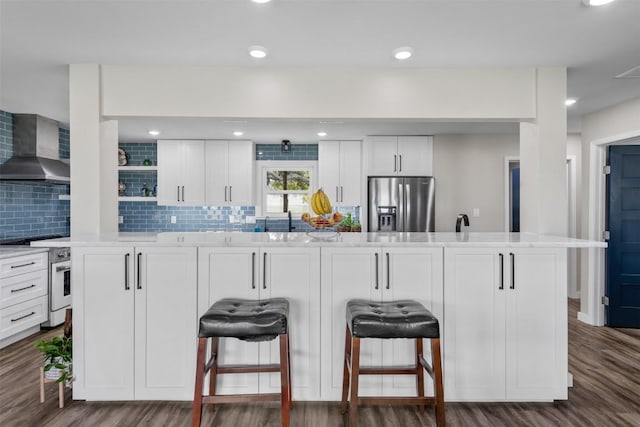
(38, 39)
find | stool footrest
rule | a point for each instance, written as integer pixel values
(392, 370)
(235, 398)
(246, 369)
(408, 400)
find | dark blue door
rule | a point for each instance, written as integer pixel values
(623, 254)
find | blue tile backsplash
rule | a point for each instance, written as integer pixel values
(30, 209)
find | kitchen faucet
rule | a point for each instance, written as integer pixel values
(291, 228)
(461, 217)
(265, 224)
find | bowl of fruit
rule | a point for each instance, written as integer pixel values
(324, 219)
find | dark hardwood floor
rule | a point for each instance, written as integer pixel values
(605, 364)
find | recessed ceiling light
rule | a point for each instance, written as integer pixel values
(238, 133)
(403, 53)
(154, 132)
(322, 134)
(596, 2)
(258, 51)
(570, 101)
(261, 1)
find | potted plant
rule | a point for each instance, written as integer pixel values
(346, 224)
(57, 353)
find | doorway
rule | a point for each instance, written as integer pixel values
(622, 286)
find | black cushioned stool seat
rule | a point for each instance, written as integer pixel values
(248, 320)
(396, 319)
(389, 320)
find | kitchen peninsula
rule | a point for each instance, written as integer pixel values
(501, 299)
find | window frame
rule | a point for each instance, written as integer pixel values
(262, 166)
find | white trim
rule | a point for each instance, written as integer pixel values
(262, 165)
(592, 311)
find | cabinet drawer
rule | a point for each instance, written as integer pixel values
(22, 316)
(22, 287)
(23, 264)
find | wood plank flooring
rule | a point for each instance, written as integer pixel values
(605, 364)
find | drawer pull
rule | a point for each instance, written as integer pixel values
(23, 265)
(23, 317)
(22, 289)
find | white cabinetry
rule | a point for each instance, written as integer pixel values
(180, 172)
(399, 155)
(260, 273)
(379, 275)
(229, 173)
(506, 324)
(135, 319)
(23, 295)
(340, 171)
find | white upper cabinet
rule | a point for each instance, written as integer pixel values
(229, 173)
(180, 172)
(399, 155)
(340, 171)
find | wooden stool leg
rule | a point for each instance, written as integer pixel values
(213, 376)
(355, 373)
(436, 364)
(285, 398)
(196, 415)
(345, 373)
(289, 373)
(41, 384)
(419, 371)
(61, 394)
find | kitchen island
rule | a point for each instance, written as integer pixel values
(501, 299)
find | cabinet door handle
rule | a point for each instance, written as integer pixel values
(501, 271)
(337, 198)
(264, 271)
(376, 271)
(23, 265)
(395, 162)
(126, 272)
(183, 193)
(23, 289)
(253, 270)
(230, 198)
(23, 317)
(139, 268)
(225, 193)
(178, 196)
(400, 157)
(388, 272)
(341, 193)
(513, 270)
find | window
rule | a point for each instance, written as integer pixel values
(286, 186)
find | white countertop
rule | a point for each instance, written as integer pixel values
(11, 251)
(331, 239)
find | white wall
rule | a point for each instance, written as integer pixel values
(469, 171)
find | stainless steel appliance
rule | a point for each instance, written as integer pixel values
(59, 278)
(401, 204)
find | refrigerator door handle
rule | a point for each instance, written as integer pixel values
(407, 207)
(401, 206)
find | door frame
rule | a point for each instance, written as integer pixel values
(572, 264)
(593, 259)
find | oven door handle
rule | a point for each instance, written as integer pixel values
(62, 269)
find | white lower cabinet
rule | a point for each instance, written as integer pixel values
(376, 274)
(135, 316)
(506, 324)
(260, 273)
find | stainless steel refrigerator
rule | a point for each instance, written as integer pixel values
(401, 204)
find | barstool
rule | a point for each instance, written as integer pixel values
(393, 319)
(248, 320)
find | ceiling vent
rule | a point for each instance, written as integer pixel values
(633, 73)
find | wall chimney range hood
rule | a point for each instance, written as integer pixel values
(35, 152)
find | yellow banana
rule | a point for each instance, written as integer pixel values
(315, 204)
(327, 203)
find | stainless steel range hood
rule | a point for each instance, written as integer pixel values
(35, 152)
